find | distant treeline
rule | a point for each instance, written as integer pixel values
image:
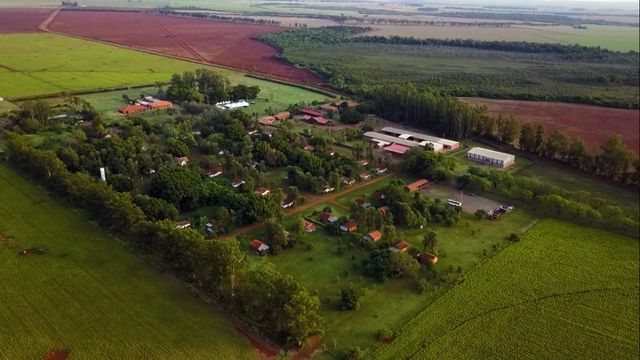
(531, 17)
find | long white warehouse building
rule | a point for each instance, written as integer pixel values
(411, 135)
(491, 157)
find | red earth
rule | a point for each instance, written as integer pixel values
(217, 42)
(593, 124)
(22, 20)
(56, 355)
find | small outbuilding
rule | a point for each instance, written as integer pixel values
(373, 236)
(400, 246)
(427, 258)
(349, 227)
(259, 247)
(417, 185)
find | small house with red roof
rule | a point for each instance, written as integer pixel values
(309, 227)
(349, 227)
(311, 112)
(289, 201)
(258, 246)
(237, 183)
(327, 217)
(214, 172)
(182, 161)
(427, 258)
(373, 236)
(132, 109)
(283, 115)
(383, 210)
(262, 191)
(400, 246)
(377, 195)
(417, 185)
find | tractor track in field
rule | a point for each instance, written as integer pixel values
(178, 40)
(318, 201)
(510, 306)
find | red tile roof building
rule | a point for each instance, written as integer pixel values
(417, 185)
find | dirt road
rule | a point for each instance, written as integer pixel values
(329, 198)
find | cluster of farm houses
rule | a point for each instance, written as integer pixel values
(392, 140)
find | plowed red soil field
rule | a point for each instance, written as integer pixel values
(217, 42)
(593, 124)
(22, 20)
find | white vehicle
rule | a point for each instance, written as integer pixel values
(454, 203)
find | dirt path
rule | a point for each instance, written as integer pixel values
(331, 198)
(45, 24)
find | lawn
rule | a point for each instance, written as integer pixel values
(562, 292)
(89, 295)
(324, 270)
(38, 64)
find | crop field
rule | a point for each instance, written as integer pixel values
(21, 20)
(593, 124)
(88, 295)
(64, 64)
(488, 73)
(618, 38)
(570, 291)
(216, 42)
(324, 270)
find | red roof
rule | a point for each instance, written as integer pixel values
(377, 195)
(311, 112)
(256, 244)
(309, 226)
(324, 216)
(129, 109)
(383, 210)
(282, 115)
(417, 185)
(321, 120)
(401, 246)
(351, 226)
(160, 104)
(267, 120)
(397, 149)
(374, 235)
(360, 201)
(427, 258)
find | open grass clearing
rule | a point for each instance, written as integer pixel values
(564, 292)
(89, 295)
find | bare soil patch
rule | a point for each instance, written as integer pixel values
(593, 124)
(309, 349)
(56, 355)
(222, 43)
(22, 20)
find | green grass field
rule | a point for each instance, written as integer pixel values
(89, 295)
(324, 271)
(37, 64)
(563, 292)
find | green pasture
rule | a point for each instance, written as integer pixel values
(38, 64)
(324, 270)
(563, 292)
(89, 295)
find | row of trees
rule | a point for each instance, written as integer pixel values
(207, 86)
(272, 303)
(459, 120)
(580, 206)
